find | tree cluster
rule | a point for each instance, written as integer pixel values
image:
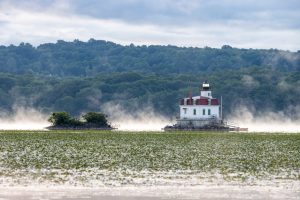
(89, 120)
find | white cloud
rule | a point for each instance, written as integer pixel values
(35, 24)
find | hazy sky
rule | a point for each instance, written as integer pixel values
(239, 23)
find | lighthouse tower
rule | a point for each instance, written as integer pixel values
(199, 111)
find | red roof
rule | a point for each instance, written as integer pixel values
(214, 102)
(202, 102)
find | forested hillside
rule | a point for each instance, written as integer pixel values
(95, 56)
(88, 76)
(263, 89)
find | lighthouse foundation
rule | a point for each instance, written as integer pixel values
(198, 125)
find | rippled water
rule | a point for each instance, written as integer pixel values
(118, 165)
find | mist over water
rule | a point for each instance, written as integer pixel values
(265, 121)
(141, 120)
(148, 120)
(23, 118)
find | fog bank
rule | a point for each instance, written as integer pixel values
(23, 118)
(268, 121)
(141, 120)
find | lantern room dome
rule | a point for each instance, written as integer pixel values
(205, 86)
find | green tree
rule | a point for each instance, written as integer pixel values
(60, 119)
(95, 118)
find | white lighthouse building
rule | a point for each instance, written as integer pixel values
(200, 111)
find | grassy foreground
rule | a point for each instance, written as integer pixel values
(58, 155)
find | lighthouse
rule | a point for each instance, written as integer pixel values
(202, 112)
(202, 107)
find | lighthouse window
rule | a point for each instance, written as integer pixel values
(208, 111)
(208, 94)
(194, 111)
(203, 111)
(184, 110)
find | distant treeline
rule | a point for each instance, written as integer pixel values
(262, 88)
(97, 56)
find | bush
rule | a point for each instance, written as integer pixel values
(95, 118)
(60, 118)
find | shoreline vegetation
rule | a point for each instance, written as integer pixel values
(88, 121)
